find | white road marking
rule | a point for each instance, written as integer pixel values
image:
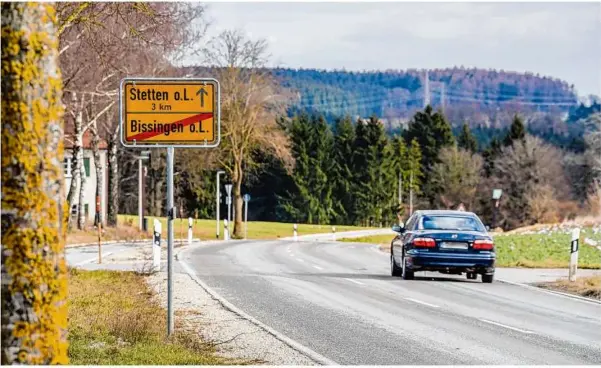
(552, 292)
(319, 268)
(424, 303)
(300, 260)
(356, 282)
(509, 327)
(92, 260)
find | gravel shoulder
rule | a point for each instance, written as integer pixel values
(195, 309)
(233, 336)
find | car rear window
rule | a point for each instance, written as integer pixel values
(445, 222)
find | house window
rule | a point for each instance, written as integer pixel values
(67, 165)
(86, 164)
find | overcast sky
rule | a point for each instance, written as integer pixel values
(561, 40)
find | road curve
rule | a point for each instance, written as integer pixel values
(339, 300)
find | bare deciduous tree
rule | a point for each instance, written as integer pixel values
(520, 169)
(542, 203)
(103, 42)
(250, 104)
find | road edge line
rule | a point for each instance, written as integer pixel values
(553, 292)
(318, 358)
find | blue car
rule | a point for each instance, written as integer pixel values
(450, 242)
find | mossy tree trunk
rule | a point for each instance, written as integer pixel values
(34, 273)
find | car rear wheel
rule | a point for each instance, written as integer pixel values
(406, 273)
(487, 279)
(395, 271)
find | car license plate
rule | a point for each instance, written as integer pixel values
(453, 245)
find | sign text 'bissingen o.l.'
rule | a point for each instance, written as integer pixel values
(159, 112)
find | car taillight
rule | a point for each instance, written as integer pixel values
(424, 242)
(484, 244)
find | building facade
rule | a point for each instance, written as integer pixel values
(89, 184)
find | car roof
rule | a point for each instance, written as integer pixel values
(445, 212)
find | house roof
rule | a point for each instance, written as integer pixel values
(87, 141)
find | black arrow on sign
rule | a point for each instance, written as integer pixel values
(202, 94)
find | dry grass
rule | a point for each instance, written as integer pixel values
(584, 286)
(125, 232)
(113, 320)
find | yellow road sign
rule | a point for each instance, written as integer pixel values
(170, 112)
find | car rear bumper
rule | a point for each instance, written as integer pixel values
(454, 262)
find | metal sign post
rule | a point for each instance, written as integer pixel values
(246, 199)
(574, 254)
(170, 218)
(496, 196)
(217, 198)
(169, 113)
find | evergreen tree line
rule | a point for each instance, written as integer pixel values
(355, 172)
(348, 174)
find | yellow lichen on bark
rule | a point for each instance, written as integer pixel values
(34, 277)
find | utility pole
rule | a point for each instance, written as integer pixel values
(411, 194)
(400, 195)
(442, 95)
(427, 90)
(217, 197)
(141, 175)
(400, 188)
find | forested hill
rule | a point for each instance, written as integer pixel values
(476, 95)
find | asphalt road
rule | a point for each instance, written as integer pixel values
(339, 300)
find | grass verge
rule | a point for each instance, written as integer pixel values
(113, 320)
(528, 251)
(206, 229)
(589, 287)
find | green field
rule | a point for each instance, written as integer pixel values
(113, 320)
(206, 229)
(550, 250)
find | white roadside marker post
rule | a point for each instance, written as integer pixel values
(574, 254)
(333, 233)
(156, 246)
(295, 233)
(190, 222)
